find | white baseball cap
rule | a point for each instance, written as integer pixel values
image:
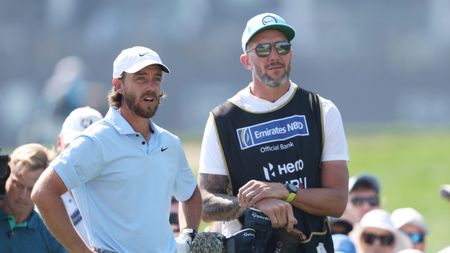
(408, 215)
(266, 21)
(78, 120)
(133, 59)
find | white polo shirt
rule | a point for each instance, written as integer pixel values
(123, 185)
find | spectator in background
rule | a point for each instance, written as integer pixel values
(77, 121)
(376, 234)
(364, 196)
(445, 191)
(411, 223)
(343, 244)
(21, 228)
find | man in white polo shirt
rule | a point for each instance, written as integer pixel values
(123, 170)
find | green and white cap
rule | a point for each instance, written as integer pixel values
(266, 21)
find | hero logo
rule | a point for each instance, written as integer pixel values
(271, 171)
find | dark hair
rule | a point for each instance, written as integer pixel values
(114, 97)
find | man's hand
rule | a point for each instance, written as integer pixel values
(279, 211)
(254, 191)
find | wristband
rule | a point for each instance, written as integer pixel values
(292, 192)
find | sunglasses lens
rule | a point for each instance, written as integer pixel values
(263, 50)
(416, 237)
(368, 238)
(283, 47)
(373, 201)
(357, 201)
(386, 240)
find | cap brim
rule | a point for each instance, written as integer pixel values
(135, 68)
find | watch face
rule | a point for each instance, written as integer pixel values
(292, 188)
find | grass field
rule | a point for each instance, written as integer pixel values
(411, 167)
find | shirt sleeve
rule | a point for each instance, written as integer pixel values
(185, 182)
(335, 145)
(211, 159)
(79, 163)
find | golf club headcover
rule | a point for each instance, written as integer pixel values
(257, 220)
(242, 241)
(208, 242)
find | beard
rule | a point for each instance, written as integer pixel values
(269, 81)
(132, 101)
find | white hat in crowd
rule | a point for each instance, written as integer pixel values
(264, 22)
(407, 215)
(381, 219)
(78, 120)
(133, 59)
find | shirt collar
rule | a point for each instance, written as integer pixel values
(121, 124)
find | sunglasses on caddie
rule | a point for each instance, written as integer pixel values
(264, 49)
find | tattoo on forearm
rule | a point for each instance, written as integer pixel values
(217, 204)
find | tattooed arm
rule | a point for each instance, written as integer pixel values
(217, 204)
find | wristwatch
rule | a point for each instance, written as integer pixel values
(292, 192)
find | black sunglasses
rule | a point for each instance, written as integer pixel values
(359, 201)
(385, 240)
(416, 237)
(264, 49)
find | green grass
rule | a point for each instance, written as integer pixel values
(411, 166)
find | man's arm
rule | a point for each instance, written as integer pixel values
(190, 211)
(329, 200)
(217, 204)
(46, 195)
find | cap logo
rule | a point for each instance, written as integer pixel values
(143, 54)
(269, 20)
(86, 122)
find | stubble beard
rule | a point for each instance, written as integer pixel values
(269, 81)
(132, 102)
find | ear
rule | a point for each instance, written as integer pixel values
(245, 61)
(117, 83)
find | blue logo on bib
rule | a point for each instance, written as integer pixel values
(274, 130)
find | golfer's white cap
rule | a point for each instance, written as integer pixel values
(133, 59)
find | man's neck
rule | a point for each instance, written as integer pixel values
(271, 94)
(139, 124)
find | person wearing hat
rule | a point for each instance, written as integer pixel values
(123, 170)
(75, 123)
(411, 223)
(363, 196)
(275, 146)
(377, 234)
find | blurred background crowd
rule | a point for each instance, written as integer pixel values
(381, 62)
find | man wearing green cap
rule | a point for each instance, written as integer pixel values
(276, 147)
